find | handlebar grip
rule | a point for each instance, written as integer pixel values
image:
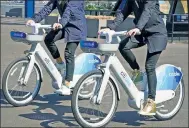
(37, 26)
(120, 33)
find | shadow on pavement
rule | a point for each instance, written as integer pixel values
(131, 118)
(3, 101)
(51, 102)
(59, 111)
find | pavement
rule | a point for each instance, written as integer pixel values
(50, 110)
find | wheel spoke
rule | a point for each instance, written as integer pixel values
(13, 88)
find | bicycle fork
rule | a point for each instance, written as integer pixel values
(28, 69)
(106, 69)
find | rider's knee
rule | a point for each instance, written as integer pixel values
(150, 67)
(46, 40)
(124, 49)
(69, 54)
(120, 48)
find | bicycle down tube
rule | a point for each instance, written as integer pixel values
(121, 75)
(46, 62)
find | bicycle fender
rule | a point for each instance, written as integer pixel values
(168, 76)
(116, 86)
(41, 73)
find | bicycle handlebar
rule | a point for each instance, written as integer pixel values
(110, 33)
(37, 26)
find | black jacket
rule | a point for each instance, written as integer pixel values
(147, 19)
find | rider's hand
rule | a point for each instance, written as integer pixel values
(30, 22)
(104, 30)
(133, 32)
(57, 26)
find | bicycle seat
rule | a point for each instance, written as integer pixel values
(99, 48)
(25, 37)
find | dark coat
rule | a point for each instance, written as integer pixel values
(72, 18)
(147, 19)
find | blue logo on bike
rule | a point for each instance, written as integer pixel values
(15, 34)
(88, 44)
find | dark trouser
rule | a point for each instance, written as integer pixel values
(151, 61)
(50, 40)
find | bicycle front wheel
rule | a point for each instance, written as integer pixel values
(14, 90)
(86, 111)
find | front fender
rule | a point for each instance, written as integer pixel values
(116, 86)
(41, 73)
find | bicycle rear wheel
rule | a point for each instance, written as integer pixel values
(88, 113)
(168, 109)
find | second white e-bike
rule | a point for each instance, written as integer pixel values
(100, 107)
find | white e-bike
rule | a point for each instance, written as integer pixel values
(100, 107)
(22, 78)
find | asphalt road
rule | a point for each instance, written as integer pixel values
(50, 110)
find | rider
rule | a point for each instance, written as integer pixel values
(149, 29)
(73, 24)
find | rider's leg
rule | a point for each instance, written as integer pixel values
(125, 49)
(151, 61)
(70, 61)
(50, 40)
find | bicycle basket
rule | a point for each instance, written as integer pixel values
(25, 37)
(88, 46)
(18, 36)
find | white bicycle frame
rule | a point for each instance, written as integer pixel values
(112, 63)
(38, 51)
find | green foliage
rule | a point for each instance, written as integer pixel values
(89, 5)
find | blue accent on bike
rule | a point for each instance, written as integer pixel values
(16, 34)
(88, 44)
(168, 77)
(86, 62)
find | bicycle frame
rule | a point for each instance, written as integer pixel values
(121, 75)
(135, 96)
(38, 51)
